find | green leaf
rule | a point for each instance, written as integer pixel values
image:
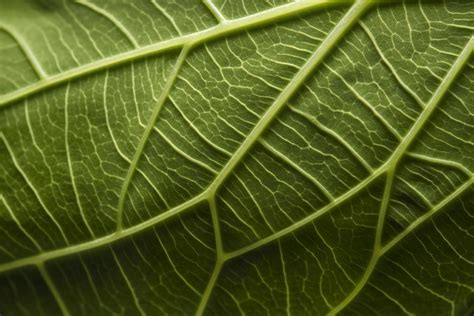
(236, 157)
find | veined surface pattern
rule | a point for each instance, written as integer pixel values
(236, 157)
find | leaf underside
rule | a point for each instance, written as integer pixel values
(236, 157)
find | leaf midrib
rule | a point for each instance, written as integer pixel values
(218, 31)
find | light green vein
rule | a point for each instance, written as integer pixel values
(35, 64)
(129, 284)
(111, 18)
(210, 286)
(285, 279)
(215, 222)
(221, 30)
(19, 224)
(296, 225)
(391, 67)
(297, 168)
(146, 134)
(33, 189)
(326, 46)
(52, 288)
(321, 52)
(173, 265)
(166, 15)
(101, 241)
(69, 162)
(215, 11)
(448, 163)
(391, 163)
(428, 215)
(377, 244)
(219, 257)
(333, 134)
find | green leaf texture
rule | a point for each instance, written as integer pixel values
(235, 157)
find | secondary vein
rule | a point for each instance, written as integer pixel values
(146, 134)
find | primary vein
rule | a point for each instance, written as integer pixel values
(101, 241)
(321, 52)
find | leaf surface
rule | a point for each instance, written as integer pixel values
(236, 157)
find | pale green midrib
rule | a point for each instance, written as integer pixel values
(390, 163)
(101, 241)
(220, 30)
